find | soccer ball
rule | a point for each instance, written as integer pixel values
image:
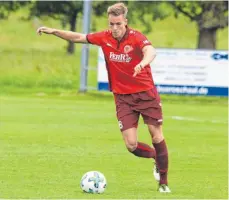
(93, 182)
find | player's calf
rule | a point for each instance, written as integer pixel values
(144, 150)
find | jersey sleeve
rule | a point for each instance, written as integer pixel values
(141, 40)
(96, 38)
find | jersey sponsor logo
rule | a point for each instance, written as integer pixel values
(128, 49)
(120, 57)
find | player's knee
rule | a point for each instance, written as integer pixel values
(157, 138)
(131, 146)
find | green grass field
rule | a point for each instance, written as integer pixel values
(50, 135)
(47, 144)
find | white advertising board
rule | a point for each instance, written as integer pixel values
(183, 71)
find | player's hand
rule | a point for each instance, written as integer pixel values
(46, 30)
(137, 69)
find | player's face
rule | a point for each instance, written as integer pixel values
(117, 25)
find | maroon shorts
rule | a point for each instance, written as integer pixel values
(130, 106)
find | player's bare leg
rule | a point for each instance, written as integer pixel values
(161, 155)
(137, 148)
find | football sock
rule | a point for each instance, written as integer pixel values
(144, 150)
(162, 160)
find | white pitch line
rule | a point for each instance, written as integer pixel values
(197, 120)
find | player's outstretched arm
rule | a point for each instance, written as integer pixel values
(66, 35)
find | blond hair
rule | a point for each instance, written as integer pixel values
(117, 9)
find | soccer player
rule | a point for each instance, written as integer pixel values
(128, 55)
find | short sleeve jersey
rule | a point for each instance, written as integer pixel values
(121, 57)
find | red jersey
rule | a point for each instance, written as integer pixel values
(121, 58)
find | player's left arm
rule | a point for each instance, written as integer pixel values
(149, 53)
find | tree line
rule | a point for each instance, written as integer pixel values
(209, 16)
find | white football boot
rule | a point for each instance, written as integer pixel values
(163, 188)
(156, 172)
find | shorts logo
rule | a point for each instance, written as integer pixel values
(120, 124)
(128, 48)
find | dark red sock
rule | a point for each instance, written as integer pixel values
(162, 160)
(144, 150)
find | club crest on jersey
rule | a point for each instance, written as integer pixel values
(120, 57)
(128, 48)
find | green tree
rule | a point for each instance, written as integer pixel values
(146, 12)
(209, 16)
(66, 11)
(6, 7)
(143, 11)
(99, 8)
